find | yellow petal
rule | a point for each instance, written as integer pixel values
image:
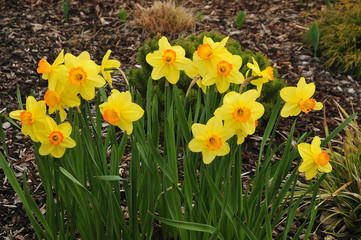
(223, 150)
(257, 111)
(173, 75)
(133, 112)
(160, 71)
(310, 174)
(196, 145)
(305, 90)
(46, 148)
(225, 133)
(125, 125)
(16, 114)
(315, 146)
(290, 109)
(318, 106)
(154, 59)
(307, 165)
(182, 63)
(58, 151)
(289, 94)
(68, 142)
(65, 128)
(214, 123)
(199, 131)
(208, 156)
(326, 169)
(305, 151)
(222, 84)
(164, 44)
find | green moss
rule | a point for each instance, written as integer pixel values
(139, 77)
(340, 36)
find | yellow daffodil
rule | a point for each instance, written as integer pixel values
(106, 67)
(299, 99)
(313, 158)
(55, 138)
(83, 75)
(262, 76)
(52, 72)
(227, 72)
(168, 61)
(119, 110)
(60, 98)
(209, 54)
(241, 135)
(240, 111)
(32, 119)
(210, 139)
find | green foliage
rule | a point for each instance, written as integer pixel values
(66, 4)
(240, 18)
(199, 16)
(139, 77)
(122, 15)
(344, 184)
(340, 37)
(314, 35)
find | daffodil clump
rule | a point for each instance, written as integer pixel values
(213, 64)
(86, 192)
(68, 77)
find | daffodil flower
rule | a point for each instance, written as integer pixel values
(209, 54)
(240, 111)
(60, 98)
(227, 72)
(55, 139)
(313, 158)
(32, 119)
(299, 99)
(83, 75)
(263, 76)
(168, 61)
(119, 110)
(52, 72)
(210, 139)
(241, 135)
(107, 65)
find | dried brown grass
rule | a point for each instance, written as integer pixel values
(164, 18)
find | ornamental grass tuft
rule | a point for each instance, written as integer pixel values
(164, 18)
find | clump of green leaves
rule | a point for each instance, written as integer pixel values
(343, 185)
(122, 15)
(240, 19)
(314, 35)
(139, 77)
(66, 4)
(340, 36)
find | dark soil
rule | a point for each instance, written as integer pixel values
(33, 29)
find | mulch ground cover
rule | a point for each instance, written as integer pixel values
(33, 29)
